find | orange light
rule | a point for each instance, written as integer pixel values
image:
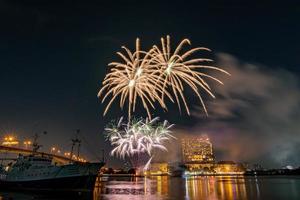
(10, 141)
(27, 142)
(67, 154)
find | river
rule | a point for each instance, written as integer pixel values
(188, 188)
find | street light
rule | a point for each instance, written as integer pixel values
(27, 143)
(53, 149)
(67, 154)
(10, 141)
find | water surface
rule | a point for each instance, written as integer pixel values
(189, 188)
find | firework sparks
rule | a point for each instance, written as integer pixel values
(177, 70)
(138, 136)
(131, 80)
(150, 76)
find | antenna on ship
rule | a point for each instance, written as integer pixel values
(74, 142)
(35, 144)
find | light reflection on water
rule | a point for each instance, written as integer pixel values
(200, 187)
(215, 188)
(134, 188)
(189, 188)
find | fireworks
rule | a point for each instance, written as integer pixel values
(138, 137)
(150, 76)
(131, 80)
(176, 70)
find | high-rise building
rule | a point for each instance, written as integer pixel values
(197, 149)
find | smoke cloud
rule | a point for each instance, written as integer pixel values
(255, 117)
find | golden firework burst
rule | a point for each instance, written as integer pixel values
(150, 76)
(177, 70)
(132, 79)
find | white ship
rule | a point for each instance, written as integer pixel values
(40, 172)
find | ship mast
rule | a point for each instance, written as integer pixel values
(74, 142)
(35, 144)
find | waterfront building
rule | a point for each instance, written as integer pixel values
(198, 158)
(200, 167)
(229, 167)
(197, 150)
(158, 169)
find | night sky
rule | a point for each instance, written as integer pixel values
(54, 55)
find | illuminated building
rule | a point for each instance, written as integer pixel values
(229, 167)
(158, 169)
(197, 149)
(201, 168)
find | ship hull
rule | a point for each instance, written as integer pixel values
(65, 184)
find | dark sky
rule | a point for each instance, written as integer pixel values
(54, 55)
